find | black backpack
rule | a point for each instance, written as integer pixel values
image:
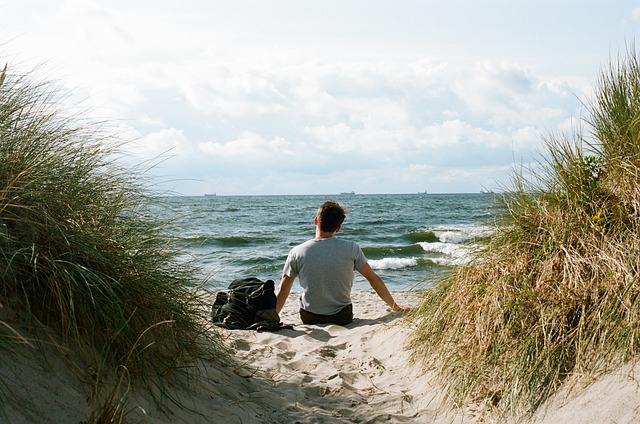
(250, 304)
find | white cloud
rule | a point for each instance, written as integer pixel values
(319, 122)
(372, 98)
(170, 141)
(234, 92)
(248, 145)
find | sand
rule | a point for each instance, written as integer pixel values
(335, 374)
(309, 374)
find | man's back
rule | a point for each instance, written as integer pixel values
(325, 269)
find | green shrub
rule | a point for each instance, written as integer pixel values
(78, 253)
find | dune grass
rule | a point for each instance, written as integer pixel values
(554, 297)
(79, 255)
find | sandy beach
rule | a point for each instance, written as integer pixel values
(309, 374)
(330, 373)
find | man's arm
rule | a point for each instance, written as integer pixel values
(378, 285)
(283, 291)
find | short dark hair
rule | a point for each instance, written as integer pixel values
(330, 216)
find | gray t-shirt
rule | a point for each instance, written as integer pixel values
(324, 268)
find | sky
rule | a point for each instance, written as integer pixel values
(247, 97)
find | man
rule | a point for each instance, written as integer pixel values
(324, 266)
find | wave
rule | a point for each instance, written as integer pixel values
(418, 236)
(393, 263)
(412, 249)
(197, 240)
(253, 261)
(399, 263)
(235, 240)
(438, 247)
(462, 234)
(455, 237)
(453, 254)
(201, 240)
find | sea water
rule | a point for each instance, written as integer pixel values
(410, 240)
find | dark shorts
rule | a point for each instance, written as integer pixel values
(343, 317)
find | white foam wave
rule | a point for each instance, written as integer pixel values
(460, 234)
(452, 237)
(454, 254)
(450, 249)
(392, 263)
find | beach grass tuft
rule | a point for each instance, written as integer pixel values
(554, 296)
(81, 256)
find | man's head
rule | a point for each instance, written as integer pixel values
(330, 216)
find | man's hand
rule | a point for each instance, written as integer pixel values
(398, 308)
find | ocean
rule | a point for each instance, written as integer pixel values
(411, 240)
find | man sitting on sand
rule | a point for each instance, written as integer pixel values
(324, 267)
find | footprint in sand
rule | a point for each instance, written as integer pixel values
(239, 344)
(371, 367)
(327, 351)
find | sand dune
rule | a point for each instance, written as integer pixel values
(309, 374)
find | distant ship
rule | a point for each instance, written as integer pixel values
(209, 194)
(485, 191)
(348, 192)
(422, 192)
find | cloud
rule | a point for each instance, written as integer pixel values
(168, 141)
(339, 122)
(246, 98)
(248, 146)
(226, 91)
